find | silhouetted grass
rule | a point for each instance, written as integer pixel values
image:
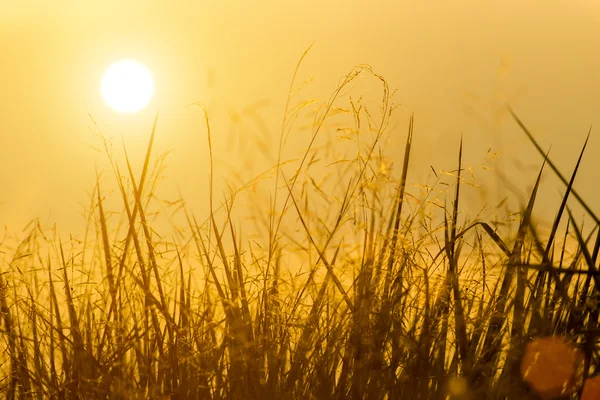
(414, 310)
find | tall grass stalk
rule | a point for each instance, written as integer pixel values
(401, 296)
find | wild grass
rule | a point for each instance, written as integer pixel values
(403, 296)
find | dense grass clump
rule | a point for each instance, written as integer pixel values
(403, 297)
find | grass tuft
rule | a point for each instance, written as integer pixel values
(396, 295)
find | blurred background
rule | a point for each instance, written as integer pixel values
(455, 64)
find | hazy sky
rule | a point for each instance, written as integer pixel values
(454, 64)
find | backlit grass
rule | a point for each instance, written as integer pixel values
(400, 295)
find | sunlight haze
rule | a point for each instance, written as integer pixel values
(455, 64)
(383, 199)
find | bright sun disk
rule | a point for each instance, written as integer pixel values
(127, 86)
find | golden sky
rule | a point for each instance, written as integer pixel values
(454, 64)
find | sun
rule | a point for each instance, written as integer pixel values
(127, 86)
